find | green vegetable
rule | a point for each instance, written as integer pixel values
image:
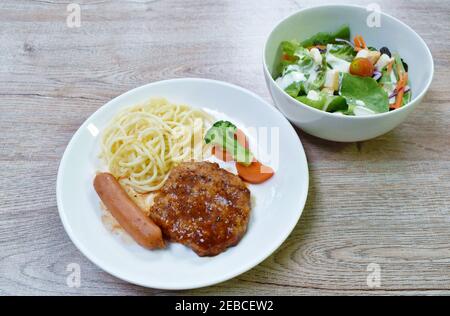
(365, 89)
(222, 134)
(288, 49)
(336, 103)
(318, 104)
(342, 51)
(295, 89)
(303, 60)
(398, 63)
(329, 103)
(406, 98)
(386, 82)
(304, 64)
(319, 79)
(324, 38)
(385, 77)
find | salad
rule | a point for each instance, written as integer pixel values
(329, 72)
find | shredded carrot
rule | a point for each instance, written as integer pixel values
(401, 84)
(389, 67)
(363, 43)
(359, 43)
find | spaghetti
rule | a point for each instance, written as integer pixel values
(144, 142)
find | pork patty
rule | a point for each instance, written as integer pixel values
(203, 207)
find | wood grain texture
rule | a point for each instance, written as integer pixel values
(384, 201)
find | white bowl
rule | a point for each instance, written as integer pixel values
(392, 33)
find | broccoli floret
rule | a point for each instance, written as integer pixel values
(222, 134)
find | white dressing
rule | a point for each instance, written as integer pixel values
(337, 63)
(362, 110)
(313, 95)
(290, 78)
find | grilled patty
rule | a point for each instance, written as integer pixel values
(203, 207)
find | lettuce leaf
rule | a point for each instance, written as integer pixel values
(318, 104)
(336, 103)
(342, 51)
(298, 55)
(304, 64)
(324, 38)
(317, 81)
(295, 89)
(329, 103)
(406, 98)
(365, 89)
(398, 63)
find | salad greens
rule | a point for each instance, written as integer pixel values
(345, 52)
(330, 73)
(366, 90)
(324, 38)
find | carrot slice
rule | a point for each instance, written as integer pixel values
(241, 138)
(224, 155)
(255, 173)
(221, 153)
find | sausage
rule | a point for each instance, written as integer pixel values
(143, 230)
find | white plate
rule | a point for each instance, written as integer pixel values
(278, 203)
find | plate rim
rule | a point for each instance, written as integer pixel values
(222, 277)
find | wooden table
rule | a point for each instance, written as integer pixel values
(384, 201)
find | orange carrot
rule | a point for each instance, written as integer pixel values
(389, 67)
(363, 43)
(221, 153)
(241, 138)
(359, 43)
(401, 84)
(356, 41)
(255, 173)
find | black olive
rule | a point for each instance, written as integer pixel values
(405, 65)
(385, 50)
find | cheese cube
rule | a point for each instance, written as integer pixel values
(328, 91)
(313, 95)
(383, 61)
(372, 55)
(316, 56)
(332, 79)
(363, 53)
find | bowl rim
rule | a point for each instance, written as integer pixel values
(349, 117)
